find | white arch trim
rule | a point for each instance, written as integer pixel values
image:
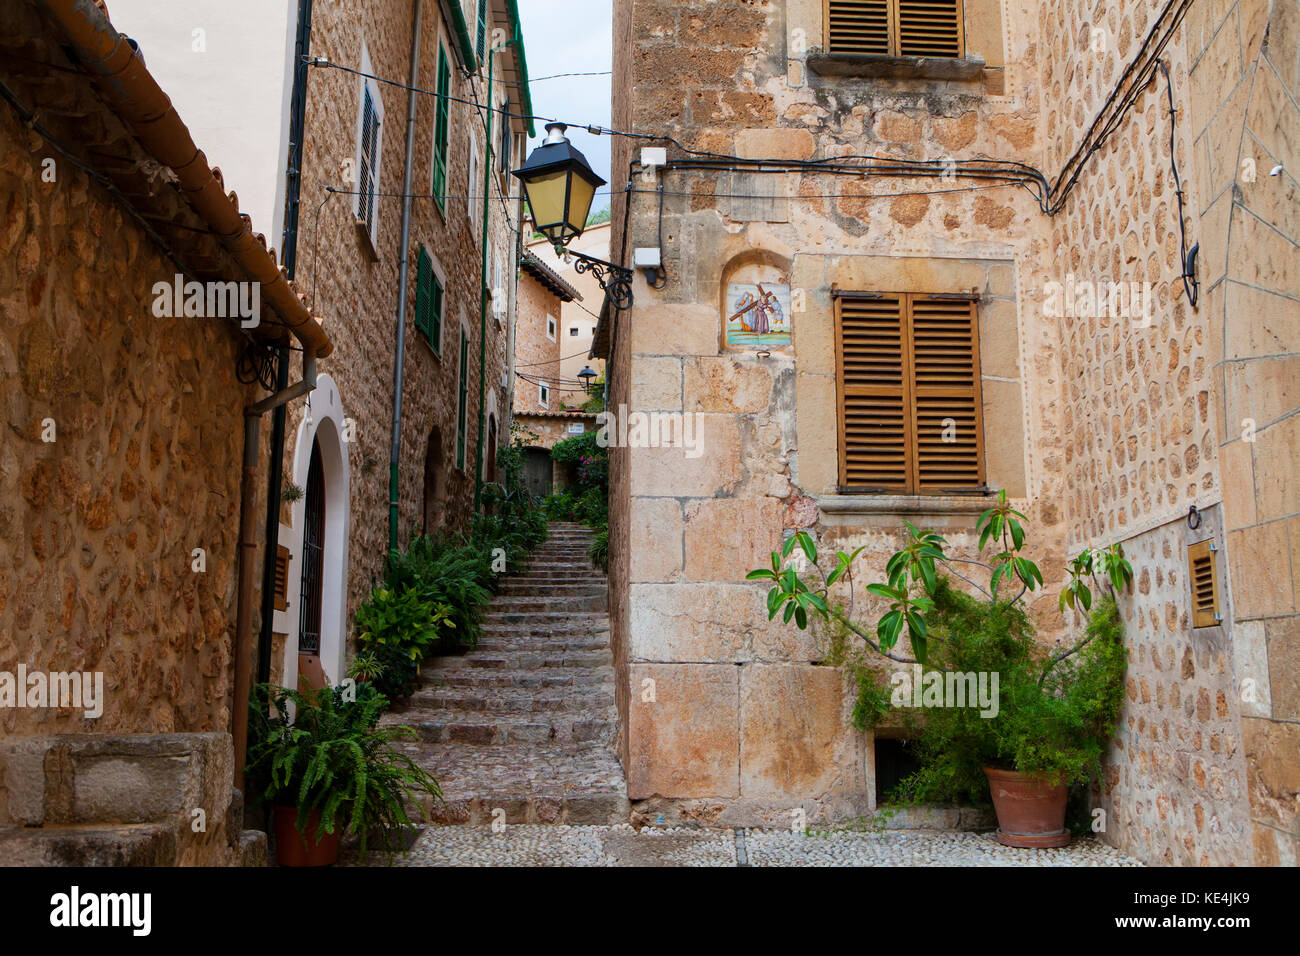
(323, 423)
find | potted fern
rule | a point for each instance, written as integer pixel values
(325, 766)
(1055, 709)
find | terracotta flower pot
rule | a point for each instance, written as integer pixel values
(1031, 810)
(308, 848)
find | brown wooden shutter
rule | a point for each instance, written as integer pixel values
(281, 578)
(1204, 581)
(929, 28)
(873, 379)
(908, 382)
(895, 27)
(859, 26)
(946, 395)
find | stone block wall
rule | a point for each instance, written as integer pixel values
(707, 746)
(1244, 123)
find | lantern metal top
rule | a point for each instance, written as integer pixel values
(556, 152)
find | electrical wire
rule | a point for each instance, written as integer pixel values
(1190, 285)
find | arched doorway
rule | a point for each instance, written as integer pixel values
(432, 515)
(312, 583)
(317, 616)
(492, 449)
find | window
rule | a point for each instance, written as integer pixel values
(573, 330)
(917, 28)
(550, 327)
(1204, 580)
(370, 139)
(428, 301)
(909, 394)
(462, 400)
(480, 44)
(441, 126)
(543, 395)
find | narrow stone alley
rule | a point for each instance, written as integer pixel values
(523, 723)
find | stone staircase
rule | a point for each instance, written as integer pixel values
(524, 723)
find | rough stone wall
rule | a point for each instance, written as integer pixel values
(1152, 406)
(536, 356)
(722, 742)
(357, 285)
(97, 527)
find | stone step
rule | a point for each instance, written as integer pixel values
(512, 700)
(129, 844)
(545, 783)
(528, 660)
(505, 645)
(517, 588)
(545, 618)
(547, 604)
(553, 679)
(547, 578)
(441, 726)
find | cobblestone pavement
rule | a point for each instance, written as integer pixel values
(531, 845)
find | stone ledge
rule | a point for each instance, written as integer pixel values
(876, 66)
(905, 504)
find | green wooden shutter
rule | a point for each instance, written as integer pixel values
(435, 312)
(440, 129)
(423, 275)
(481, 46)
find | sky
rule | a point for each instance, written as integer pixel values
(571, 36)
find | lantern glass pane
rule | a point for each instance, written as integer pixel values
(546, 198)
(581, 194)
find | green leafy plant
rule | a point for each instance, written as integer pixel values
(1057, 710)
(366, 666)
(598, 550)
(324, 752)
(399, 627)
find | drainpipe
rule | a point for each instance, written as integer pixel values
(399, 355)
(289, 256)
(483, 285)
(248, 554)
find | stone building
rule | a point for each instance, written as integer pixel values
(125, 402)
(347, 499)
(546, 405)
(875, 228)
(578, 318)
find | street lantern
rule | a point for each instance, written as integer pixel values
(559, 185)
(587, 375)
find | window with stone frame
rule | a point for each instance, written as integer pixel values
(909, 28)
(908, 394)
